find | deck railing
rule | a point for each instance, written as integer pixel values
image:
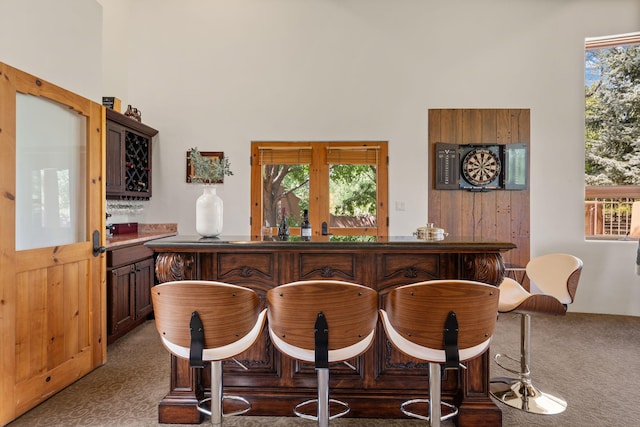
(608, 211)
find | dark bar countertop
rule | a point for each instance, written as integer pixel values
(449, 243)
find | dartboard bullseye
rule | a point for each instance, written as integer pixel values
(481, 166)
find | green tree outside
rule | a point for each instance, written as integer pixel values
(353, 190)
(612, 107)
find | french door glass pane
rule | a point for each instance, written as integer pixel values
(50, 174)
(284, 187)
(353, 196)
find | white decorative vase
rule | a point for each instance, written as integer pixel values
(209, 213)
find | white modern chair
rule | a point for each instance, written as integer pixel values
(322, 322)
(443, 322)
(208, 322)
(553, 279)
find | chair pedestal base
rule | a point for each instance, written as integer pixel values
(203, 409)
(526, 397)
(298, 411)
(434, 403)
(521, 393)
(215, 410)
(323, 403)
(433, 421)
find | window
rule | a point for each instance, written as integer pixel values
(343, 185)
(612, 133)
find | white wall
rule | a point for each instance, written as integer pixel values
(58, 41)
(115, 70)
(219, 74)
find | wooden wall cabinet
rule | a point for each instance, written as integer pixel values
(129, 281)
(128, 173)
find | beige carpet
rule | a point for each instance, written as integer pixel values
(593, 361)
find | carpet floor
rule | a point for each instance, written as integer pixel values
(591, 360)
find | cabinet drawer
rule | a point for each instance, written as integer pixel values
(335, 266)
(121, 256)
(241, 268)
(400, 269)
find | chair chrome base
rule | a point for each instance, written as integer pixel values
(247, 406)
(297, 410)
(526, 397)
(409, 413)
(215, 410)
(323, 403)
(520, 393)
(434, 403)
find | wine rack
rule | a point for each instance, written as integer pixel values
(137, 163)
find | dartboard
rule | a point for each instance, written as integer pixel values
(480, 166)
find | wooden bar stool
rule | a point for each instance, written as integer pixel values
(443, 322)
(322, 321)
(554, 280)
(210, 322)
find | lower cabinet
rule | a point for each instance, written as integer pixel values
(129, 281)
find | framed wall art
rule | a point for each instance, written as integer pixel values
(193, 175)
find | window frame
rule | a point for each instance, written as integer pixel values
(598, 196)
(319, 185)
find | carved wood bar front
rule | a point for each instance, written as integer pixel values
(377, 382)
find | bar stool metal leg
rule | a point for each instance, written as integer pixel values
(435, 410)
(323, 397)
(216, 410)
(520, 393)
(323, 402)
(434, 402)
(216, 393)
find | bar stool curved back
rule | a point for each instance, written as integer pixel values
(554, 280)
(208, 322)
(322, 321)
(442, 322)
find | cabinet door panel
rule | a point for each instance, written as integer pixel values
(144, 282)
(120, 288)
(115, 159)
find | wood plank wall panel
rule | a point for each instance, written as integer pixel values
(500, 215)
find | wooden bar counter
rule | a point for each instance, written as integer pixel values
(382, 378)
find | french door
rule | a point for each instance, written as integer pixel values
(342, 185)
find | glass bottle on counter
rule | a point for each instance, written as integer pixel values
(305, 226)
(283, 230)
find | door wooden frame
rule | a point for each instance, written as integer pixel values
(318, 191)
(56, 372)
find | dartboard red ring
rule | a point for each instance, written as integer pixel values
(481, 166)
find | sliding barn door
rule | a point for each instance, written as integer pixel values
(52, 270)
